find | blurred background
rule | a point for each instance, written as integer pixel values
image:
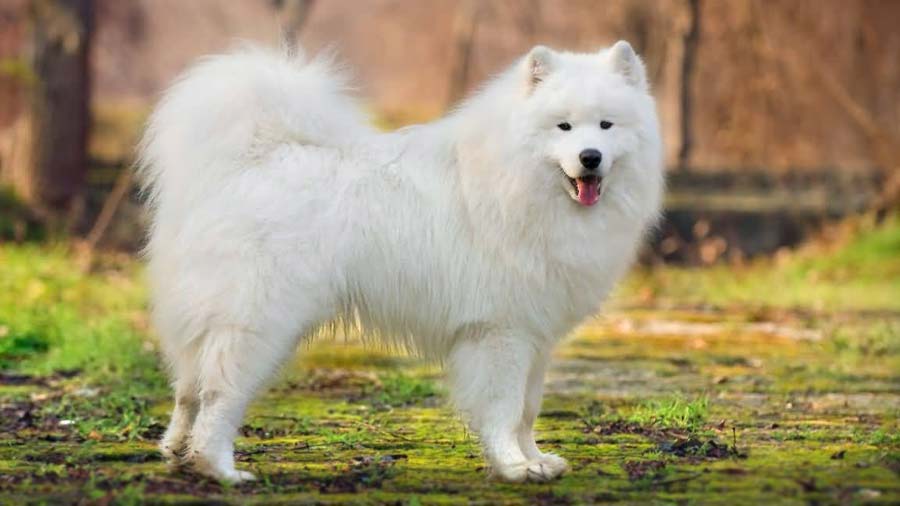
(751, 358)
(778, 115)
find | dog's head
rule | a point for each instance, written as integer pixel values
(571, 133)
(591, 116)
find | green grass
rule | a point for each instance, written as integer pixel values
(862, 274)
(403, 390)
(56, 318)
(673, 413)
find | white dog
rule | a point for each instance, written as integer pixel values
(477, 240)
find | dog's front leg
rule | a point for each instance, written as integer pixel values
(489, 377)
(553, 464)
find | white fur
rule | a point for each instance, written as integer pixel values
(277, 211)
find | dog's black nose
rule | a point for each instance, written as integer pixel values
(590, 158)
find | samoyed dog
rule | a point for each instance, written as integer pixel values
(477, 240)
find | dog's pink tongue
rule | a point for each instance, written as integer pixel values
(588, 191)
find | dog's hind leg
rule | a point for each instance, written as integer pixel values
(234, 364)
(187, 403)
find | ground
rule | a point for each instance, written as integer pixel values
(775, 382)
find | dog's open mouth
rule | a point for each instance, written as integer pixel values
(585, 189)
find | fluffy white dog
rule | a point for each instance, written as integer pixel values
(477, 240)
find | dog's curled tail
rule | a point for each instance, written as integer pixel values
(228, 110)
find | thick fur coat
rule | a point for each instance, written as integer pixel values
(478, 240)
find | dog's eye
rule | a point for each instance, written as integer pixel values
(565, 127)
(606, 125)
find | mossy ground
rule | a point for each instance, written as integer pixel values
(786, 393)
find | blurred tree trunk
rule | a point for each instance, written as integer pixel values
(295, 13)
(688, 57)
(60, 115)
(16, 79)
(463, 39)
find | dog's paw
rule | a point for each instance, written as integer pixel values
(221, 472)
(544, 468)
(556, 464)
(230, 476)
(236, 476)
(173, 451)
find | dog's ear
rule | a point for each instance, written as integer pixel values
(627, 63)
(538, 65)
